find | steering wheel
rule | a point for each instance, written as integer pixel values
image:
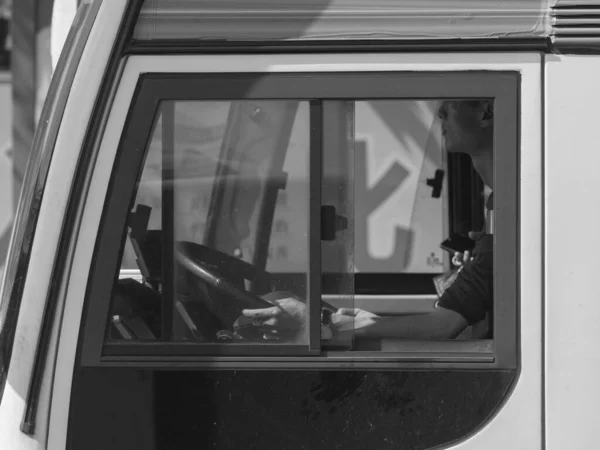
(209, 265)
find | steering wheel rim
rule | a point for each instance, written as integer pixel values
(196, 257)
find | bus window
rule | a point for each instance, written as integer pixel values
(396, 165)
(400, 220)
(255, 223)
(206, 221)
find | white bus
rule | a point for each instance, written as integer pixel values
(195, 158)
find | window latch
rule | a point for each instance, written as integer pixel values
(436, 183)
(331, 223)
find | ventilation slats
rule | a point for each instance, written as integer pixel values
(575, 25)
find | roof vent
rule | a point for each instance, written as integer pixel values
(576, 25)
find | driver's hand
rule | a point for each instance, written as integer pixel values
(352, 319)
(286, 320)
(474, 235)
(460, 259)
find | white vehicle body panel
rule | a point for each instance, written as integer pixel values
(519, 423)
(572, 291)
(60, 177)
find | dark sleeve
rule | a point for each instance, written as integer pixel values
(471, 294)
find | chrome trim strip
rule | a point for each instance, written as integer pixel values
(88, 12)
(392, 353)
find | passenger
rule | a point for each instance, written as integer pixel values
(467, 127)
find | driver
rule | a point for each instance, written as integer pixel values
(467, 127)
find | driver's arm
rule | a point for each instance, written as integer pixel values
(464, 302)
(441, 323)
(288, 319)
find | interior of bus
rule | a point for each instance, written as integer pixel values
(221, 216)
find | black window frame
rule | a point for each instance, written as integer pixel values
(502, 86)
